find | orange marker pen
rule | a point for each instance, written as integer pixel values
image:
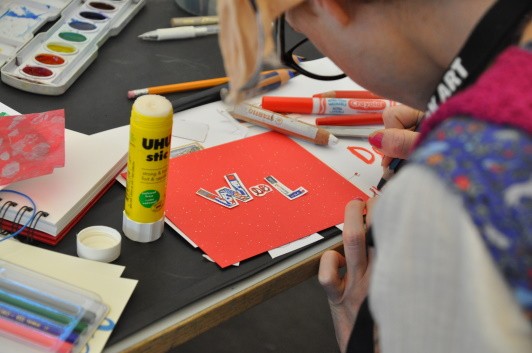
(322, 106)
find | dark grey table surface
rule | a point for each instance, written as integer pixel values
(98, 101)
(171, 274)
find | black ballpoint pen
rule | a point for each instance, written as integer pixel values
(205, 96)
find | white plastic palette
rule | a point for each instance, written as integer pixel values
(54, 59)
(20, 19)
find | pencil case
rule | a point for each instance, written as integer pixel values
(39, 314)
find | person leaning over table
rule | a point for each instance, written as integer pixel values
(451, 270)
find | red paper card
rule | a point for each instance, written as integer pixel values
(230, 235)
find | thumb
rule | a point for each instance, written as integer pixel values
(394, 143)
(329, 275)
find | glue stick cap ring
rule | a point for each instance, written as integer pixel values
(99, 243)
(142, 232)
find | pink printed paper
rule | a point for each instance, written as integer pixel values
(31, 145)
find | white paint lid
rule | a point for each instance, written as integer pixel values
(99, 243)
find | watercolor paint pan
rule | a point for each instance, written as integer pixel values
(21, 19)
(51, 62)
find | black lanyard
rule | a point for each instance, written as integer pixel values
(497, 30)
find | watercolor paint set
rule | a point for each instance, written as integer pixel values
(52, 60)
(21, 19)
(40, 314)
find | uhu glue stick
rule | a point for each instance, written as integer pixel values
(147, 168)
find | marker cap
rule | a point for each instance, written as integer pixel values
(142, 232)
(99, 243)
(302, 105)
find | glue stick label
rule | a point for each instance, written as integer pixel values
(147, 169)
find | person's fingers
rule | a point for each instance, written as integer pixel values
(354, 237)
(397, 139)
(394, 143)
(401, 117)
(369, 209)
(328, 275)
(385, 162)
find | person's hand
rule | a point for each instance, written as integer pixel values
(397, 138)
(346, 292)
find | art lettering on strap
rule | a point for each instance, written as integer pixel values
(496, 30)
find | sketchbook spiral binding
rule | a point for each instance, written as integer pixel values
(8, 227)
(60, 199)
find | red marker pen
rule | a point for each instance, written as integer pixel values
(351, 120)
(336, 106)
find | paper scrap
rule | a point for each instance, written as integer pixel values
(190, 130)
(31, 145)
(297, 244)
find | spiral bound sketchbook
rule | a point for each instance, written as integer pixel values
(92, 162)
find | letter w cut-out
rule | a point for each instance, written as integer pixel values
(228, 196)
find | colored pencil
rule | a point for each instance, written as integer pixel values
(178, 87)
(394, 166)
(283, 124)
(269, 80)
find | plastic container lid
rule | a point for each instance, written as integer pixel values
(99, 243)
